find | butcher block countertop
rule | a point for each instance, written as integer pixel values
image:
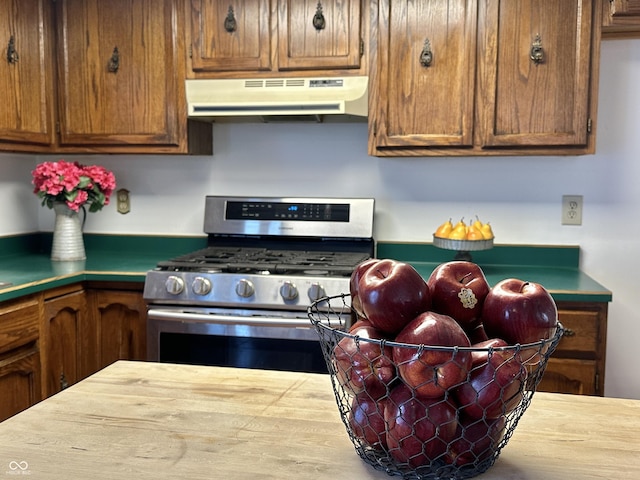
(138, 420)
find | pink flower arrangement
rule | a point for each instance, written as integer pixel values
(75, 184)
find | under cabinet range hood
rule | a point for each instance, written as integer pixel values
(277, 97)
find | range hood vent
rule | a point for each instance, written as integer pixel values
(273, 97)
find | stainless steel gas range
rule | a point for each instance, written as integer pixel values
(242, 300)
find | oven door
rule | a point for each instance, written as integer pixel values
(236, 338)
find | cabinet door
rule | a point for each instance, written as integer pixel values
(577, 377)
(621, 18)
(120, 81)
(61, 339)
(230, 35)
(120, 321)
(624, 8)
(19, 381)
(19, 355)
(319, 35)
(422, 89)
(542, 102)
(26, 119)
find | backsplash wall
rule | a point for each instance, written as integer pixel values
(520, 196)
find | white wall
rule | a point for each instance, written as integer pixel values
(521, 196)
(18, 205)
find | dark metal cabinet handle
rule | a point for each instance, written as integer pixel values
(114, 61)
(230, 24)
(426, 56)
(537, 52)
(318, 19)
(63, 381)
(12, 54)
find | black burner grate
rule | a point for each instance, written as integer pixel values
(250, 260)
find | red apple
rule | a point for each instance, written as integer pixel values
(479, 355)
(476, 440)
(418, 429)
(519, 312)
(458, 289)
(364, 366)
(392, 294)
(366, 419)
(354, 280)
(496, 383)
(478, 334)
(431, 372)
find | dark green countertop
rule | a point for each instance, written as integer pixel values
(25, 260)
(554, 267)
(25, 263)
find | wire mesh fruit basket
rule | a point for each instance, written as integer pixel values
(426, 412)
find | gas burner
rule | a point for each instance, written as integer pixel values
(316, 273)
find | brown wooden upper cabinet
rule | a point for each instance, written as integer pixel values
(242, 38)
(621, 18)
(490, 77)
(119, 80)
(95, 76)
(26, 76)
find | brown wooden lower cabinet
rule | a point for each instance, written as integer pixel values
(85, 329)
(19, 381)
(119, 318)
(577, 366)
(19, 355)
(62, 338)
(51, 340)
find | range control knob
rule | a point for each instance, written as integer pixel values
(245, 288)
(201, 286)
(289, 291)
(316, 291)
(174, 285)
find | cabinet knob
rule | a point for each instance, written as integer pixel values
(230, 24)
(12, 54)
(537, 52)
(426, 56)
(114, 61)
(318, 19)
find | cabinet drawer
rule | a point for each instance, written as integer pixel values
(579, 377)
(18, 324)
(581, 331)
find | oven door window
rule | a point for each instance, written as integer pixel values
(242, 352)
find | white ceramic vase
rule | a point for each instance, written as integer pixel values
(68, 244)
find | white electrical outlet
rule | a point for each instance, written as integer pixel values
(572, 210)
(124, 201)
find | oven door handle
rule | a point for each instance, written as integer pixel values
(159, 314)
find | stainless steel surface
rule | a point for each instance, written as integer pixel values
(229, 289)
(227, 323)
(360, 223)
(243, 299)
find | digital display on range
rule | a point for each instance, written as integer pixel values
(316, 212)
